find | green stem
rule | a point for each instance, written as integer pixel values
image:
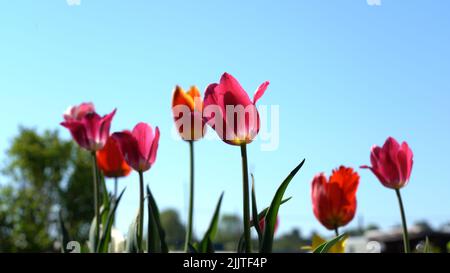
(116, 182)
(248, 247)
(116, 185)
(336, 231)
(405, 227)
(96, 199)
(191, 200)
(140, 233)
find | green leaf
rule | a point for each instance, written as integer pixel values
(325, 247)
(132, 242)
(206, 245)
(262, 214)
(193, 249)
(106, 201)
(255, 215)
(93, 240)
(156, 236)
(65, 238)
(241, 244)
(427, 246)
(105, 237)
(272, 213)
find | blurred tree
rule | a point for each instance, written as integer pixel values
(46, 175)
(423, 225)
(174, 228)
(229, 232)
(291, 242)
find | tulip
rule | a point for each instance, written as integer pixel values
(392, 165)
(191, 127)
(228, 105)
(111, 162)
(91, 132)
(233, 109)
(334, 201)
(79, 111)
(139, 148)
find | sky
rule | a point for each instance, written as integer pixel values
(344, 75)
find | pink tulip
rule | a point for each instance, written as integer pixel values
(79, 111)
(88, 129)
(139, 147)
(230, 112)
(392, 163)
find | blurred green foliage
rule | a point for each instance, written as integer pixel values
(174, 228)
(44, 175)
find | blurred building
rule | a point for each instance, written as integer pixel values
(391, 241)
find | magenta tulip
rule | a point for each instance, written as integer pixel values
(392, 163)
(88, 129)
(230, 112)
(139, 147)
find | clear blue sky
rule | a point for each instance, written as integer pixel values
(345, 74)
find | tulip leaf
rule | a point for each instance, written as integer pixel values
(132, 241)
(105, 238)
(427, 246)
(255, 215)
(92, 242)
(241, 245)
(262, 214)
(272, 213)
(156, 236)
(325, 247)
(192, 249)
(206, 245)
(106, 201)
(65, 238)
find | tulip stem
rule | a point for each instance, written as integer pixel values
(336, 230)
(96, 200)
(248, 247)
(191, 200)
(116, 182)
(141, 212)
(404, 224)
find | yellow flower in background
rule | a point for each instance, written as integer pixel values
(318, 241)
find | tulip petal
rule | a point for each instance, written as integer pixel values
(260, 91)
(105, 127)
(143, 134)
(129, 147)
(181, 98)
(236, 95)
(154, 148)
(78, 132)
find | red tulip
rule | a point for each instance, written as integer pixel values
(111, 161)
(190, 124)
(236, 118)
(139, 147)
(392, 164)
(79, 111)
(262, 224)
(334, 201)
(88, 129)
